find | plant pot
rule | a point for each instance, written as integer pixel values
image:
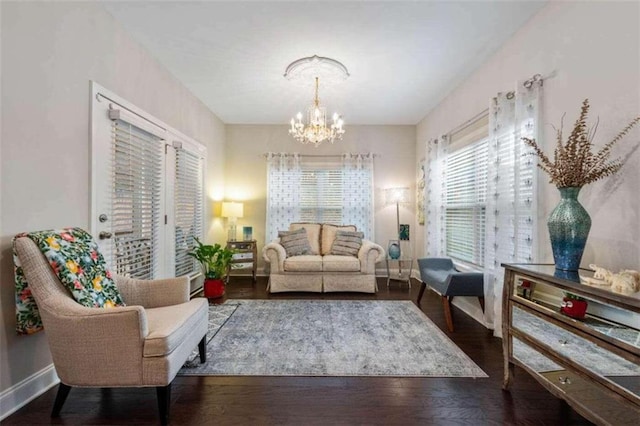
(573, 308)
(569, 225)
(213, 288)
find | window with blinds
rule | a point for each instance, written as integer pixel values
(188, 208)
(135, 209)
(321, 194)
(464, 202)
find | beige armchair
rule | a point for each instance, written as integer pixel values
(143, 344)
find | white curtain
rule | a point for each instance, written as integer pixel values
(357, 192)
(283, 192)
(511, 227)
(435, 240)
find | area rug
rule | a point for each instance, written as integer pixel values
(330, 338)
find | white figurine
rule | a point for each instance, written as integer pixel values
(625, 282)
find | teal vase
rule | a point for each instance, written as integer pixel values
(569, 225)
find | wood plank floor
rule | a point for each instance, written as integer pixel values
(327, 400)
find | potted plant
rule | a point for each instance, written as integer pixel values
(573, 306)
(214, 261)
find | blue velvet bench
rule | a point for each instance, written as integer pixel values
(441, 275)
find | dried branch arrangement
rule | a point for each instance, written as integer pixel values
(574, 164)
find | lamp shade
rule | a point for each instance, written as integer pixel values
(396, 195)
(231, 209)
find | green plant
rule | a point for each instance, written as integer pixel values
(574, 164)
(573, 296)
(214, 259)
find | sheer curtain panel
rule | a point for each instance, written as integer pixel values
(511, 189)
(283, 192)
(357, 192)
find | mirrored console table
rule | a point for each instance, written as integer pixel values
(593, 363)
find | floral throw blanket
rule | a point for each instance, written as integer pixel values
(75, 259)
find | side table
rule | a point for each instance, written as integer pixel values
(405, 266)
(245, 257)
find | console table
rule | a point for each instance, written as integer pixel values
(591, 363)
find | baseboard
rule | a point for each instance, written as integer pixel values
(20, 394)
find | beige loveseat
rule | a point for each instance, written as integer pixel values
(322, 271)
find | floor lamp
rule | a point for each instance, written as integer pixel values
(396, 196)
(232, 211)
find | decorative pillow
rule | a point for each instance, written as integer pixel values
(295, 243)
(329, 234)
(347, 243)
(74, 257)
(313, 234)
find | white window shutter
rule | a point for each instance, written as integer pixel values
(188, 208)
(136, 200)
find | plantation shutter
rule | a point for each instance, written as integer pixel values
(321, 194)
(136, 199)
(188, 208)
(464, 200)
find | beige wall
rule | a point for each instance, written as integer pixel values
(50, 52)
(246, 169)
(584, 50)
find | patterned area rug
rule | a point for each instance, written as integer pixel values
(329, 338)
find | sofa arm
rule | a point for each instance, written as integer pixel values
(370, 253)
(153, 293)
(275, 254)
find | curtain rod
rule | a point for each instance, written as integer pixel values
(325, 155)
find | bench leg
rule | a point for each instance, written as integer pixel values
(481, 300)
(422, 289)
(446, 303)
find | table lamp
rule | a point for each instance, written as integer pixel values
(232, 211)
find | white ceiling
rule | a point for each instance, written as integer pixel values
(403, 57)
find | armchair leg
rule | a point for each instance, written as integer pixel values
(422, 289)
(481, 300)
(61, 397)
(446, 302)
(202, 349)
(164, 401)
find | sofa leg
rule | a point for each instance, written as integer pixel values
(202, 349)
(61, 397)
(481, 300)
(422, 289)
(164, 401)
(446, 303)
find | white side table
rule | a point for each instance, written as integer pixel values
(405, 266)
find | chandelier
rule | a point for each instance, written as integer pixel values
(316, 131)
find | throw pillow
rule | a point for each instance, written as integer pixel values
(313, 234)
(295, 243)
(347, 243)
(329, 234)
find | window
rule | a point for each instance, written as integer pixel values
(135, 209)
(147, 191)
(321, 194)
(188, 207)
(302, 189)
(464, 203)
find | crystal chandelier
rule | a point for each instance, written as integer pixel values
(316, 131)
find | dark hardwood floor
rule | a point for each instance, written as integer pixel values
(327, 400)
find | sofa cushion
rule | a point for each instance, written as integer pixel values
(295, 243)
(313, 234)
(307, 263)
(347, 243)
(329, 234)
(333, 263)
